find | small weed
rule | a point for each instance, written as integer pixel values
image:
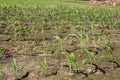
(96, 40)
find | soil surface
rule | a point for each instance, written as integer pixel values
(29, 57)
(106, 2)
(31, 35)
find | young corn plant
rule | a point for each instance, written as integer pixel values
(108, 40)
(71, 61)
(90, 56)
(14, 66)
(72, 29)
(43, 33)
(44, 58)
(102, 23)
(16, 32)
(57, 30)
(61, 41)
(42, 30)
(34, 49)
(45, 64)
(112, 23)
(87, 37)
(110, 53)
(44, 45)
(28, 32)
(80, 28)
(80, 37)
(96, 40)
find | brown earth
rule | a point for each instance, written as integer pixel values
(29, 57)
(106, 2)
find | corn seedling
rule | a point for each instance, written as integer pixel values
(96, 40)
(102, 23)
(61, 41)
(14, 66)
(45, 64)
(87, 37)
(57, 29)
(110, 53)
(43, 33)
(34, 49)
(80, 37)
(112, 22)
(90, 56)
(108, 40)
(92, 28)
(80, 28)
(16, 32)
(71, 60)
(72, 29)
(84, 61)
(44, 47)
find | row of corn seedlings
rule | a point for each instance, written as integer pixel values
(19, 19)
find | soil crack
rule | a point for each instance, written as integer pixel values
(24, 76)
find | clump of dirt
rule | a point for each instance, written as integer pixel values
(105, 2)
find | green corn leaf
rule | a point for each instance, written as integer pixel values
(84, 61)
(58, 38)
(14, 65)
(45, 61)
